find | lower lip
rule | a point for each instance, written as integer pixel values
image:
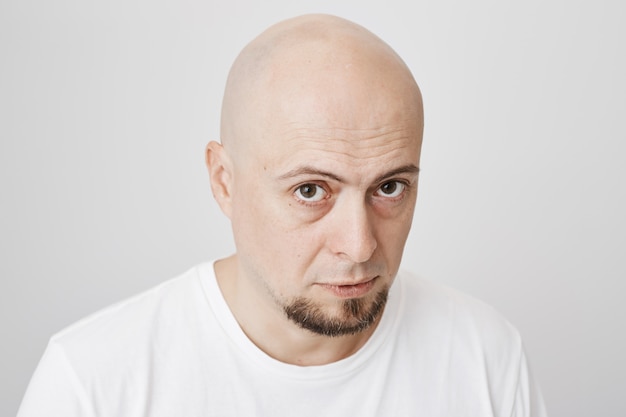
(350, 291)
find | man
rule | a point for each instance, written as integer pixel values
(317, 171)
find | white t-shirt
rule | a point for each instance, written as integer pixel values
(177, 350)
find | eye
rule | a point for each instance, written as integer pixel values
(391, 189)
(310, 193)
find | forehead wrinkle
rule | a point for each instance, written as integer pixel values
(375, 157)
(357, 138)
(346, 154)
(349, 152)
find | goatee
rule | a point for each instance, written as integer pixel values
(357, 315)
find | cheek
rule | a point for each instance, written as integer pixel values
(253, 225)
(393, 237)
(394, 232)
(264, 230)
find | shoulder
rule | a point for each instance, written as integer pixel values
(135, 320)
(461, 319)
(469, 354)
(108, 359)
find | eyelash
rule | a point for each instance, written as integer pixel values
(405, 184)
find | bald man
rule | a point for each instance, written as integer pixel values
(317, 171)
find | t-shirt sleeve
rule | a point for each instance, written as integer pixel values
(528, 398)
(54, 390)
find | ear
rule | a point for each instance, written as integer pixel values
(220, 169)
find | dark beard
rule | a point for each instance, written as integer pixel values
(357, 315)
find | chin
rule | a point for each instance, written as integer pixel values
(352, 316)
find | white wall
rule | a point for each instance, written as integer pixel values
(105, 108)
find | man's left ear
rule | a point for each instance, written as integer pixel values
(220, 166)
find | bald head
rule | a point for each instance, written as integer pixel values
(318, 66)
(317, 172)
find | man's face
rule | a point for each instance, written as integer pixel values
(322, 205)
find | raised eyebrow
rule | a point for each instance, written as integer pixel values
(405, 169)
(307, 170)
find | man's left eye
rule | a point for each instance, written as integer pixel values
(391, 189)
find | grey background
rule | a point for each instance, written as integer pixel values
(105, 108)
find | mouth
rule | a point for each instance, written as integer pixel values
(351, 290)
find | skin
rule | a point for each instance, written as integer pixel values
(317, 171)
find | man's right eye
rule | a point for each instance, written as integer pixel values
(310, 193)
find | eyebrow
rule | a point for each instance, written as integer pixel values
(308, 170)
(405, 169)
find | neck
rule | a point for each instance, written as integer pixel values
(268, 327)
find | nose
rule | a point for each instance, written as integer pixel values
(352, 231)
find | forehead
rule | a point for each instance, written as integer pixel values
(343, 129)
(355, 155)
(351, 105)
